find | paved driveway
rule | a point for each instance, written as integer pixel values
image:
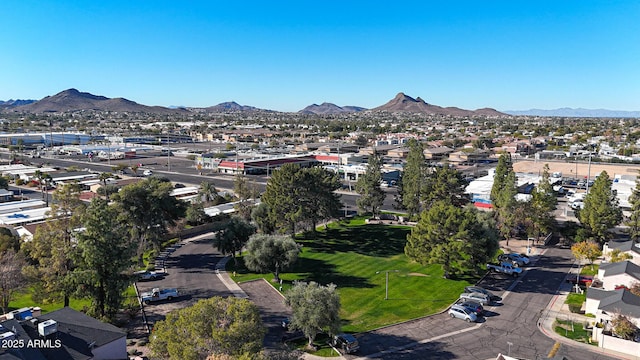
(191, 269)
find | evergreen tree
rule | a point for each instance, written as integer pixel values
(246, 194)
(317, 195)
(601, 211)
(505, 206)
(280, 197)
(104, 256)
(368, 186)
(450, 236)
(503, 168)
(542, 204)
(413, 175)
(445, 184)
(634, 218)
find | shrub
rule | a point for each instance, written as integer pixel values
(575, 308)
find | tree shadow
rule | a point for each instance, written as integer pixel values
(371, 240)
(324, 273)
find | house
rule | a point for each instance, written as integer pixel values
(63, 334)
(625, 247)
(613, 275)
(606, 305)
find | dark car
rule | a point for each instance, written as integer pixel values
(285, 323)
(472, 289)
(474, 306)
(345, 342)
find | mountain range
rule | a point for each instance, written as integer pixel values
(329, 108)
(404, 103)
(579, 112)
(74, 100)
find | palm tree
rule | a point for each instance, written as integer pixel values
(104, 176)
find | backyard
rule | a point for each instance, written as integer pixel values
(355, 256)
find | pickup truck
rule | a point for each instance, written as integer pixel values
(505, 268)
(158, 294)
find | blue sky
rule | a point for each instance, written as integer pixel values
(285, 55)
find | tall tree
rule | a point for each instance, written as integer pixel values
(260, 216)
(601, 211)
(413, 175)
(12, 278)
(634, 218)
(271, 253)
(317, 197)
(503, 168)
(53, 247)
(542, 204)
(450, 236)
(103, 177)
(505, 206)
(150, 210)
(368, 186)
(246, 193)
(233, 236)
(215, 326)
(104, 256)
(445, 184)
(315, 308)
(281, 199)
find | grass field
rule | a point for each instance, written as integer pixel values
(24, 299)
(349, 254)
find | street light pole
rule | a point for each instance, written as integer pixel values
(386, 286)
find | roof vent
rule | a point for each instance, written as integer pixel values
(7, 336)
(47, 327)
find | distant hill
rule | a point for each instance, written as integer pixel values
(404, 103)
(74, 100)
(11, 102)
(579, 112)
(230, 106)
(329, 108)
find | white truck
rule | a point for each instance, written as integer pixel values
(505, 268)
(158, 294)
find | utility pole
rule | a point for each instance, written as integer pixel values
(386, 287)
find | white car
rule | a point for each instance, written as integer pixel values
(147, 172)
(461, 312)
(577, 205)
(481, 298)
(145, 275)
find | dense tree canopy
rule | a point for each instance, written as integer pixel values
(52, 250)
(215, 326)
(634, 218)
(233, 235)
(105, 254)
(601, 211)
(316, 308)
(453, 237)
(445, 184)
(150, 210)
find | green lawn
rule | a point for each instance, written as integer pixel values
(349, 255)
(23, 299)
(573, 330)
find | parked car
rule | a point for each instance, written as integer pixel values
(583, 280)
(145, 275)
(578, 204)
(479, 289)
(474, 306)
(460, 312)
(345, 342)
(515, 258)
(477, 297)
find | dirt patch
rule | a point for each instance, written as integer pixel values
(417, 274)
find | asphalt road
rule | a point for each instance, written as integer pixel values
(183, 171)
(190, 269)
